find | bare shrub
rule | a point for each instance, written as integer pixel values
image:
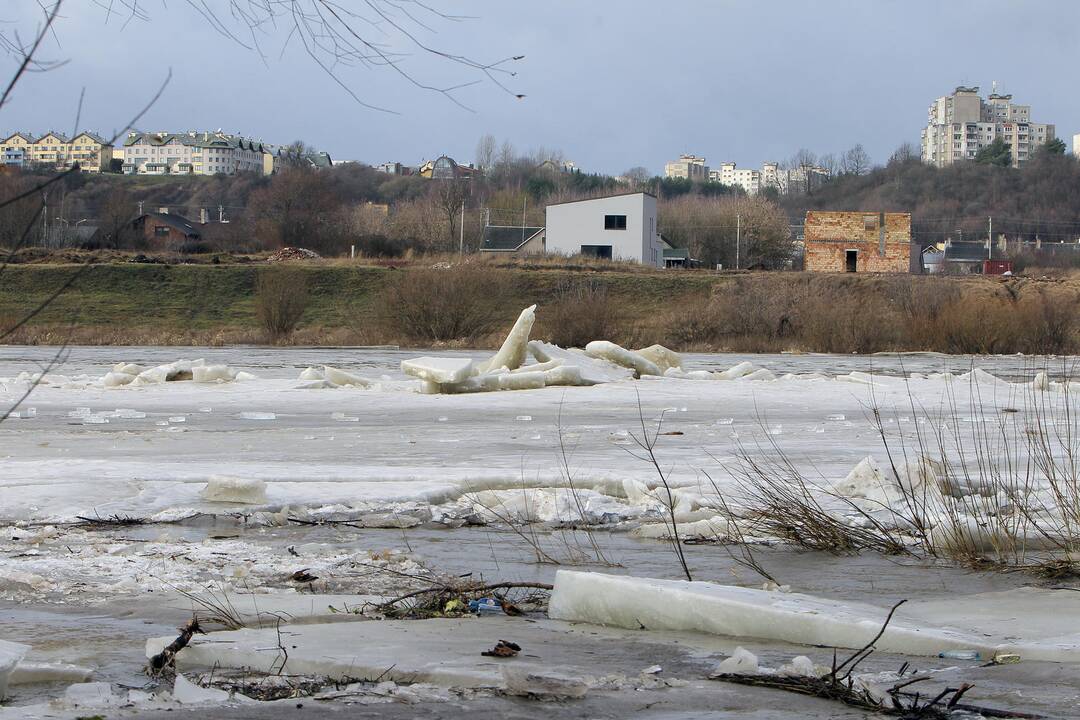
(838, 321)
(1047, 325)
(757, 314)
(281, 297)
(440, 304)
(694, 323)
(581, 311)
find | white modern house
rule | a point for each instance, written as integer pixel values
(619, 227)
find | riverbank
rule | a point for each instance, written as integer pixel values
(346, 303)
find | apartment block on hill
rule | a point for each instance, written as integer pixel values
(56, 151)
(961, 124)
(192, 153)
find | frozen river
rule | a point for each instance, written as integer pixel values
(434, 481)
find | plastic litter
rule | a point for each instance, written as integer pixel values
(485, 606)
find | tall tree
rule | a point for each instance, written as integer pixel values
(997, 153)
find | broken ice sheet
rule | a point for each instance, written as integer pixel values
(252, 415)
(342, 417)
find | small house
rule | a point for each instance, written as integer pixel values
(164, 230)
(617, 227)
(512, 240)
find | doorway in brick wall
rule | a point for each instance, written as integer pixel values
(851, 260)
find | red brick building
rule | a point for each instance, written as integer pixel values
(162, 230)
(857, 242)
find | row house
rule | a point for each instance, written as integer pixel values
(193, 153)
(56, 151)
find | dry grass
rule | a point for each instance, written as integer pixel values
(999, 491)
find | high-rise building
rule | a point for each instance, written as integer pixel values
(961, 124)
(689, 167)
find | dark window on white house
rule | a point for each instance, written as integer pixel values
(614, 222)
(602, 252)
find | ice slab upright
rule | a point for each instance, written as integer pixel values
(515, 347)
(10, 655)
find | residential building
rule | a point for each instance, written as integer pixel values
(164, 230)
(961, 124)
(395, 168)
(512, 240)
(801, 180)
(729, 174)
(1076, 145)
(688, 167)
(194, 153)
(56, 151)
(445, 167)
(858, 242)
(618, 227)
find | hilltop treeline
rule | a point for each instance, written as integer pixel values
(354, 205)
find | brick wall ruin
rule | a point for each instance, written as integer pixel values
(857, 242)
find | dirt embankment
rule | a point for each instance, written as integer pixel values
(423, 304)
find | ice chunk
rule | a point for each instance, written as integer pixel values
(759, 374)
(11, 654)
(539, 367)
(661, 357)
(736, 371)
(252, 415)
(439, 369)
(634, 603)
(594, 371)
(522, 381)
(220, 488)
(188, 693)
(621, 356)
(741, 662)
(542, 684)
(342, 417)
(92, 695)
(311, 374)
(117, 379)
(800, 666)
(211, 373)
(563, 375)
(127, 368)
(1041, 382)
(341, 377)
(866, 481)
(32, 673)
(245, 376)
(512, 353)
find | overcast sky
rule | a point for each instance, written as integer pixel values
(611, 83)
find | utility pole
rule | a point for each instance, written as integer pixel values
(220, 213)
(461, 241)
(990, 239)
(44, 218)
(738, 237)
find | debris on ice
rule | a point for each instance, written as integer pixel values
(221, 488)
(542, 684)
